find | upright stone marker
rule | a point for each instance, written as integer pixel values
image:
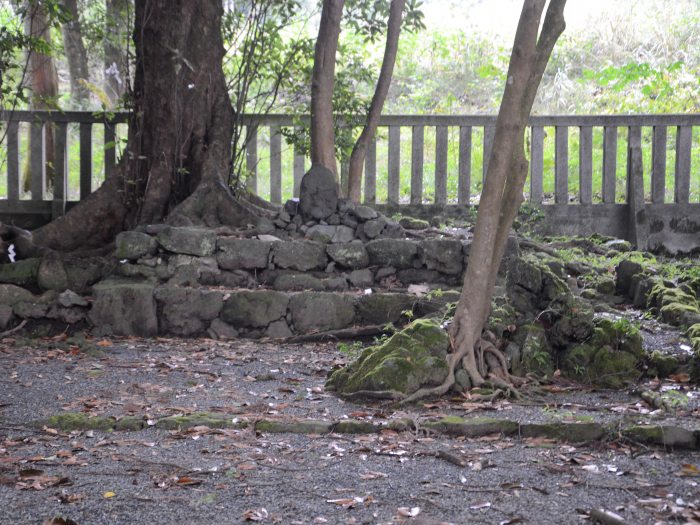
(318, 195)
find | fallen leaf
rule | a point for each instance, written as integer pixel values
(188, 481)
(104, 343)
(109, 494)
(680, 378)
(688, 470)
(480, 505)
(255, 515)
(407, 512)
(373, 475)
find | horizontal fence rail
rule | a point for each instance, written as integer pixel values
(415, 159)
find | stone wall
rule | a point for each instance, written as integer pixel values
(189, 281)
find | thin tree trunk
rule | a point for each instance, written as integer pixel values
(322, 84)
(76, 55)
(359, 151)
(503, 187)
(43, 82)
(117, 33)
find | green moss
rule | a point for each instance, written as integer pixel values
(662, 365)
(613, 368)
(536, 355)
(502, 318)
(693, 334)
(406, 361)
(675, 313)
(69, 421)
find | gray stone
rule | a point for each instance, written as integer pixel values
(333, 219)
(443, 255)
(291, 207)
(361, 278)
(343, 234)
(336, 283)
(11, 294)
(321, 311)
(52, 273)
(462, 380)
(392, 230)
(619, 244)
(392, 252)
(382, 308)
(374, 227)
(187, 311)
(135, 270)
(297, 281)
(284, 216)
(345, 205)
(235, 279)
(189, 241)
(132, 245)
(84, 272)
(301, 256)
(349, 255)
(625, 272)
(6, 316)
(124, 308)
(246, 254)
(348, 220)
(411, 223)
(66, 315)
(70, 298)
(30, 310)
(265, 226)
(254, 308)
(321, 233)
(365, 213)
(21, 273)
(318, 193)
(419, 276)
(278, 329)
(385, 272)
(220, 330)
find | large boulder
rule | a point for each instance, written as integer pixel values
(20, 273)
(189, 241)
(52, 273)
(11, 295)
(133, 245)
(254, 308)
(349, 255)
(318, 193)
(443, 255)
(320, 311)
(407, 361)
(398, 253)
(187, 311)
(301, 256)
(243, 254)
(124, 308)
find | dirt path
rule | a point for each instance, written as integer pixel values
(195, 473)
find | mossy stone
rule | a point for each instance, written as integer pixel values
(196, 419)
(70, 421)
(570, 432)
(536, 354)
(129, 423)
(613, 368)
(406, 361)
(675, 312)
(662, 365)
(293, 427)
(668, 436)
(353, 426)
(472, 427)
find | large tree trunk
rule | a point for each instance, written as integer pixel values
(503, 186)
(322, 82)
(115, 56)
(75, 54)
(43, 79)
(359, 151)
(177, 157)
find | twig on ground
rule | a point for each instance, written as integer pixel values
(13, 330)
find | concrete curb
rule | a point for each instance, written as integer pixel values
(666, 436)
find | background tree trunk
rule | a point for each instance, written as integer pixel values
(505, 178)
(322, 82)
(359, 151)
(115, 56)
(43, 79)
(179, 147)
(75, 54)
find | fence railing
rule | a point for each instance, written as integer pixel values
(416, 159)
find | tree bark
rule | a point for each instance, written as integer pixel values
(359, 151)
(43, 79)
(178, 153)
(503, 187)
(322, 83)
(75, 54)
(116, 36)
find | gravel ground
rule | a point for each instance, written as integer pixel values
(203, 475)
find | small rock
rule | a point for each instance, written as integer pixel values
(278, 330)
(190, 241)
(365, 213)
(291, 207)
(70, 298)
(411, 223)
(372, 228)
(134, 245)
(220, 330)
(361, 278)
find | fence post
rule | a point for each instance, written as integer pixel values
(417, 142)
(638, 227)
(60, 171)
